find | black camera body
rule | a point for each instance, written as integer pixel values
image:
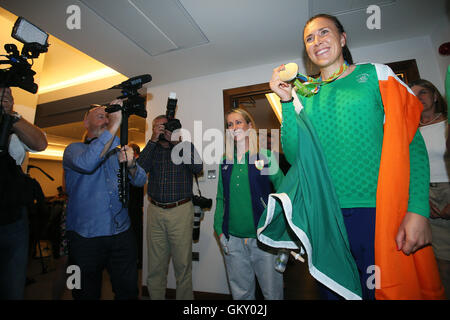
(172, 124)
(202, 202)
(134, 103)
(19, 74)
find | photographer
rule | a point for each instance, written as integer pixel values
(170, 213)
(14, 198)
(98, 226)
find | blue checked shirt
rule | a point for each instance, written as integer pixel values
(169, 181)
(93, 207)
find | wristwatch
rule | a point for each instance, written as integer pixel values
(15, 117)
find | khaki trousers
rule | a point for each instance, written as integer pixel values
(169, 234)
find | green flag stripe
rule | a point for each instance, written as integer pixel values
(316, 273)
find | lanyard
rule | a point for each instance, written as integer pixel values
(308, 86)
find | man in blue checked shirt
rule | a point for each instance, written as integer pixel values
(170, 213)
(98, 227)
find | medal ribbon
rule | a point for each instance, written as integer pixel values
(308, 86)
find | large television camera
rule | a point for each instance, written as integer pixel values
(134, 103)
(19, 72)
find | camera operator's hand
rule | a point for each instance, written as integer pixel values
(127, 154)
(115, 118)
(158, 129)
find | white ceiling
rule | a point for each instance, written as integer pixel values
(180, 39)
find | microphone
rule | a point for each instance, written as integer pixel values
(134, 82)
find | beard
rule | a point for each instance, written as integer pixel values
(97, 131)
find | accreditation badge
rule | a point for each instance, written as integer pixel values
(259, 164)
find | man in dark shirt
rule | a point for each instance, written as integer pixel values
(170, 214)
(15, 195)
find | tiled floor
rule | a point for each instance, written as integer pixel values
(299, 285)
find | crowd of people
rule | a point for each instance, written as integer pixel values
(365, 193)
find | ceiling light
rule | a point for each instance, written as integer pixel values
(95, 75)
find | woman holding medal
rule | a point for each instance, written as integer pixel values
(245, 179)
(363, 120)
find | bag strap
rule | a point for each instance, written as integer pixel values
(198, 187)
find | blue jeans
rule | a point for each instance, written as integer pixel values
(14, 258)
(360, 226)
(247, 259)
(116, 253)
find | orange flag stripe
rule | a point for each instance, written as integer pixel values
(402, 277)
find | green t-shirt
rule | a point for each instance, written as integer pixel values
(348, 116)
(241, 222)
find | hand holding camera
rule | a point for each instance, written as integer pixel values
(126, 154)
(114, 118)
(158, 130)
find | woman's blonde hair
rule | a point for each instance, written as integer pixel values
(251, 134)
(440, 105)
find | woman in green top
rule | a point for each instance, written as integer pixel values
(347, 112)
(245, 180)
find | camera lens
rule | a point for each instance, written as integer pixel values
(197, 217)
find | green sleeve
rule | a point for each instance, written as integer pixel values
(289, 132)
(447, 92)
(419, 183)
(218, 215)
(274, 172)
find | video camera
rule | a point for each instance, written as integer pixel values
(19, 73)
(134, 104)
